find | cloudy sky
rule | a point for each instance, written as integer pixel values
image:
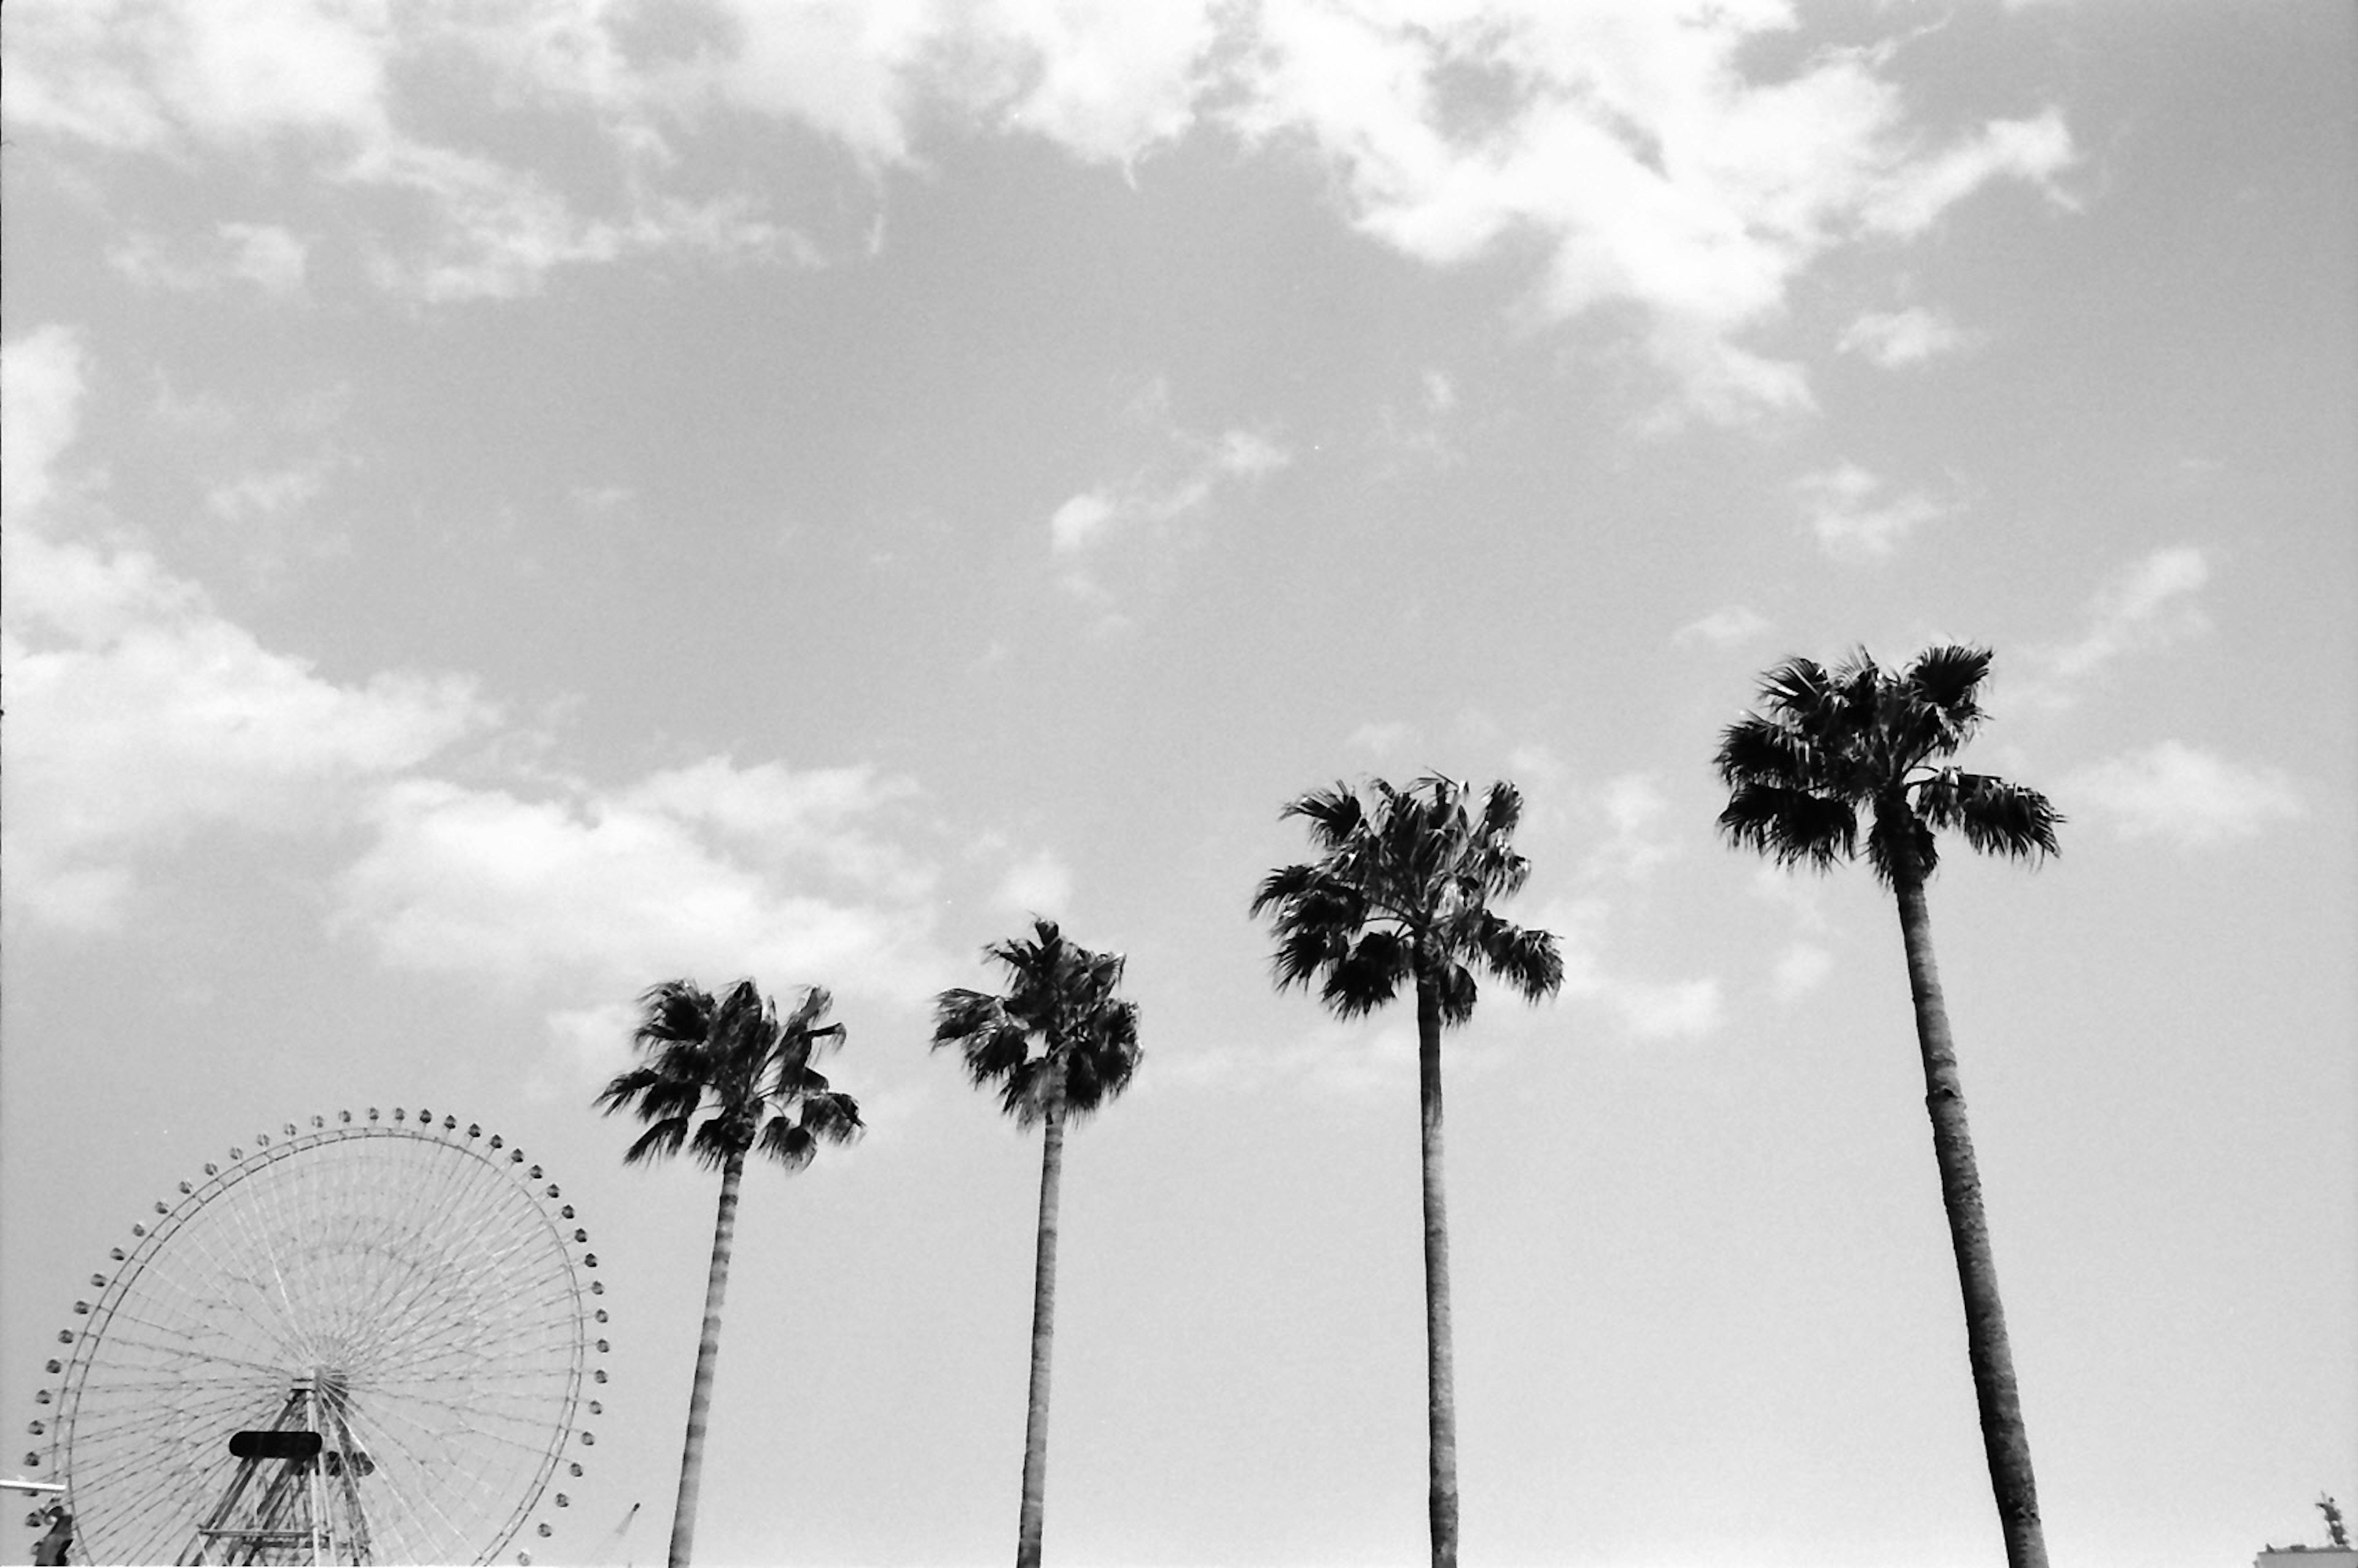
(510, 501)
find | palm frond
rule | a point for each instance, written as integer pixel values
(722, 1072)
(1370, 973)
(1757, 750)
(1527, 958)
(1896, 828)
(1404, 884)
(1790, 825)
(1059, 1035)
(1455, 988)
(719, 1138)
(1948, 678)
(1333, 814)
(794, 1143)
(2003, 818)
(1799, 689)
(661, 1140)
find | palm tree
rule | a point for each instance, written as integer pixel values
(1826, 746)
(1057, 1047)
(723, 1078)
(1401, 894)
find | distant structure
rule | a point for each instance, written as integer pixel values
(2337, 1553)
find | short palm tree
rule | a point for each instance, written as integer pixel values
(723, 1078)
(1826, 748)
(1059, 1046)
(1401, 896)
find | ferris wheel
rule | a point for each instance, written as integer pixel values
(366, 1341)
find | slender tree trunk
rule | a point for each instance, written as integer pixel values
(707, 1352)
(1044, 1329)
(2004, 1438)
(1440, 1377)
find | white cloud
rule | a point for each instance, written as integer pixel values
(2143, 605)
(1673, 1009)
(2175, 792)
(635, 884)
(144, 76)
(267, 494)
(1800, 969)
(312, 82)
(40, 398)
(1627, 139)
(271, 257)
(1380, 739)
(1179, 476)
(1723, 627)
(1916, 197)
(1647, 1009)
(1633, 806)
(1079, 519)
(137, 713)
(1039, 884)
(1107, 82)
(1894, 339)
(1851, 517)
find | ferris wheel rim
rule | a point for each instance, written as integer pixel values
(440, 1332)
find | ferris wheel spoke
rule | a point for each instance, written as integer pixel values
(414, 1486)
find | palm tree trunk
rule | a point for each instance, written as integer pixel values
(2005, 1439)
(1440, 1383)
(1044, 1327)
(707, 1352)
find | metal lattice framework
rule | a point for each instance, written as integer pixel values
(413, 1293)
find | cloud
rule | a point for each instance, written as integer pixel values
(1633, 806)
(2146, 600)
(137, 714)
(1623, 145)
(1806, 961)
(664, 877)
(1077, 522)
(1897, 339)
(1800, 969)
(2147, 604)
(1106, 82)
(1646, 1008)
(1178, 481)
(273, 258)
(40, 403)
(1723, 627)
(1175, 476)
(312, 84)
(1040, 884)
(1628, 140)
(2174, 792)
(1380, 739)
(268, 493)
(1851, 520)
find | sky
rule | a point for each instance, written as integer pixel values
(510, 502)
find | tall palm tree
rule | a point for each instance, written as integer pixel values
(1057, 1047)
(1826, 747)
(724, 1078)
(1401, 896)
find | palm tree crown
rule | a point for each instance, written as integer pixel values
(746, 1071)
(1059, 1039)
(1826, 744)
(1402, 891)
